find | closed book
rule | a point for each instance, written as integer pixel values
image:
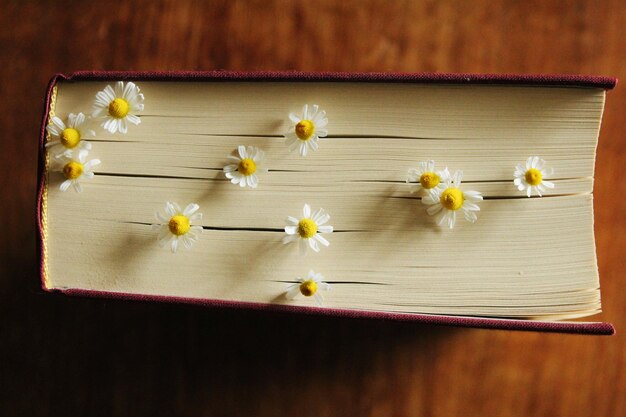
(452, 199)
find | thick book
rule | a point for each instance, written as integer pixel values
(453, 199)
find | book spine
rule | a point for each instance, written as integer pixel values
(559, 80)
(582, 328)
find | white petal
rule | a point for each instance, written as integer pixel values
(82, 156)
(289, 239)
(434, 209)
(319, 299)
(292, 220)
(442, 217)
(186, 241)
(470, 216)
(58, 123)
(470, 206)
(293, 291)
(313, 244)
(325, 229)
(302, 247)
(306, 211)
(119, 89)
(242, 152)
(109, 125)
(190, 209)
(451, 219)
(171, 208)
(313, 111)
(129, 91)
(133, 119)
(295, 119)
(164, 233)
(122, 126)
(291, 230)
(456, 180)
(321, 240)
(548, 184)
(535, 162)
(91, 164)
(254, 181)
(174, 245)
(259, 155)
(325, 217)
(65, 185)
(80, 119)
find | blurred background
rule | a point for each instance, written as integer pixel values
(70, 356)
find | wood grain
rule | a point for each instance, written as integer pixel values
(70, 356)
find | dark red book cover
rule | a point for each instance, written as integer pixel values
(575, 81)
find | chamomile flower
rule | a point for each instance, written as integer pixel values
(75, 169)
(532, 177)
(244, 172)
(309, 287)
(66, 139)
(176, 225)
(446, 203)
(307, 230)
(118, 106)
(306, 130)
(427, 178)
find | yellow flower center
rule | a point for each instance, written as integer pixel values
(118, 108)
(533, 176)
(70, 137)
(305, 129)
(179, 225)
(73, 170)
(247, 166)
(307, 228)
(429, 180)
(452, 198)
(308, 288)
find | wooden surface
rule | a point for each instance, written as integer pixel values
(70, 356)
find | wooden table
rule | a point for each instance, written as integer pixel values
(78, 357)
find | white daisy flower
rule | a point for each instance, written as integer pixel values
(305, 132)
(532, 176)
(247, 166)
(427, 178)
(306, 229)
(68, 138)
(308, 287)
(447, 202)
(75, 169)
(176, 225)
(118, 106)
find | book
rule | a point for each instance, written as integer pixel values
(508, 261)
